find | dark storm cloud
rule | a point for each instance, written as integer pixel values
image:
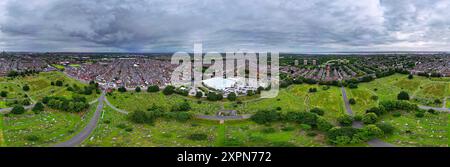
(224, 25)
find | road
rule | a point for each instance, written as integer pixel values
(7, 110)
(435, 108)
(357, 124)
(84, 134)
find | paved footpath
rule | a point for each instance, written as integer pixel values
(357, 124)
(84, 134)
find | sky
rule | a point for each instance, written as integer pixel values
(224, 25)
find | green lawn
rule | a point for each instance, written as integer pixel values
(40, 86)
(132, 101)
(112, 131)
(44, 129)
(423, 91)
(58, 66)
(297, 98)
(431, 130)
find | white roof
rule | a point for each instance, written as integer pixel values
(219, 83)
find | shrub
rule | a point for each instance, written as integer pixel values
(372, 131)
(278, 108)
(403, 96)
(137, 89)
(33, 138)
(312, 90)
(323, 124)
(396, 114)
(250, 93)
(342, 135)
(26, 88)
(122, 89)
(345, 120)
(374, 98)
(369, 118)
(232, 96)
(410, 76)
(3, 93)
(59, 83)
(265, 116)
(288, 128)
(318, 111)
(352, 86)
(183, 106)
(386, 128)
(419, 114)
(305, 127)
(198, 136)
(18, 109)
(168, 90)
(38, 107)
(268, 130)
(153, 88)
(431, 111)
(199, 94)
(352, 101)
(377, 110)
(357, 117)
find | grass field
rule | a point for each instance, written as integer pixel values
(297, 98)
(115, 130)
(43, 129)
(431, 130)
(40, 86)
(58, 66)
(422, 90)
(132, 101)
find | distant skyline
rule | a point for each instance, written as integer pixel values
(308, 26)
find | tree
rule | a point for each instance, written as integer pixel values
(137, 89)
(18, 109)
(38, 107)
(345, 120)
(369, 118)
(410, 76)
(153, 88)
(323, 124)
(437, 101)
(386, 128)
(4, 93)
(352, 101)
(231, 96)
(59, 83)
(372, 131)
(352, 86)
(403, 96)
(26, 88)
(318, 111)
(122, 89)
(199, 94)
(168, 90)
(250, 93)
(265, 116)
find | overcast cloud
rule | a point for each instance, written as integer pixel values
(224, 25)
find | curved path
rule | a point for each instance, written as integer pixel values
(81, 136)
(435, 108)
(357, 124)
(114, 107)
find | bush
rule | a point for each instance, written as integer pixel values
(59, 83)
(142, 117)
(268, 130)
(265, 117)
(305, 127)
(312, 90)
(38, 107)
(184, 106)
(231, 96)
(372, 131)
(122, 89)
(33, 138)
(352, 101)
(168, 90)
(278, 108)
(18, 109)
(357, 117)
(302, 118)
(403, 96)
(198, 136)
(419, 114)
(352, 86)
(3, 93)
(377, 110)
(369, 118)
(374, 98)
(396, 114)
(137, 89)
(26, 88)
(153, 88)
(431, 111)
(199, 94)
(342, 135)
(214, 96)
(318, 111)
(387, 128)
(345, 120)
(323, 124)
(410, 76)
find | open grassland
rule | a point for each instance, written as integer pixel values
(115, 130)
(431, 130)
(43, 129)
(422, 91)
(298, 98)
(132, 101)
(40, 86)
